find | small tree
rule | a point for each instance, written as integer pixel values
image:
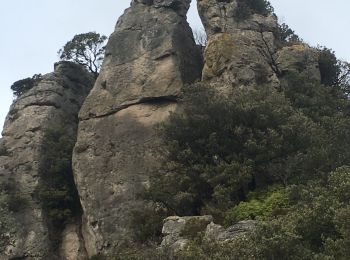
(21, 86)
(285, 35)
(86, 49)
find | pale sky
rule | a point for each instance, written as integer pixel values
(34, 30)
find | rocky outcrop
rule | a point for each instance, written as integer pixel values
(240, 52)
(149, 57)
(179, 231)
(218, 233)
(299, 58)
(53, 103)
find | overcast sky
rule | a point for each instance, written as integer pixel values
(34, 30)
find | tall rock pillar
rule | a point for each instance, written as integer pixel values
(53, 104)
(149, 57)
(241, 47)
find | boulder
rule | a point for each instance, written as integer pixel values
(299, 58)
(218, 233)
(177, 231)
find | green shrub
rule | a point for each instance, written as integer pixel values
(286, 36)
(194, 228)
(245, 8)
(57, 191)
(22, 86)
(260, 205)
(147, 223)
(221, 148)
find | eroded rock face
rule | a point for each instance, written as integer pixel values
(179, 231)
(149, 57)
(299, 58)
(218, 233)
(53, 103)
(240, 52)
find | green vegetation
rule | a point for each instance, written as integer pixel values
(334, 72)
(86, 49)
(22, 86)
(147, 223)
(246, 8)
(58, 193)
(261, 205)
(276, 156)
(286, 36)
(7, 224)
(220, 149)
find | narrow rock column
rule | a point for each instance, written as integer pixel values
(149, 57)
(241, 50)
(53, 103)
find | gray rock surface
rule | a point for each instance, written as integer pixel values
(299, 58)
(177, 231)
(220, 234)
(54, 102)
(239, 52)
(149, 57)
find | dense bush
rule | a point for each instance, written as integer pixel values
(58, 192)
(334, 72)
(286, 36)
(245, 8)
(21, 86)
(261, 205)
(221, 148)
(146, 223)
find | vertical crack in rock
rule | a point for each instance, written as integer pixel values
(53, 104)
(149, 57)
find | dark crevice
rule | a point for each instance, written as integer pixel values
(43, 104)
(147, 100)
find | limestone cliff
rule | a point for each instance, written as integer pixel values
(53, 103)
(149, 57)
(240, 51)
(243, 51)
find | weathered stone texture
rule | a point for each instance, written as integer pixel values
(179, 231)
(218, 233)
(299, 58)
(239, 52)
(149, 57)
(53, 103)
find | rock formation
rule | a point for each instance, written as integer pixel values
(179, 231)
(149, 57)
(240, 52)
(53, 103)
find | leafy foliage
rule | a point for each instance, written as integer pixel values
(245, 8)
(262, 205)
(221, 148)
(285, 35)
(86, 49)
(7, 224)
(147, 223)
(58, 192)
(21, 86)
(334, 72)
